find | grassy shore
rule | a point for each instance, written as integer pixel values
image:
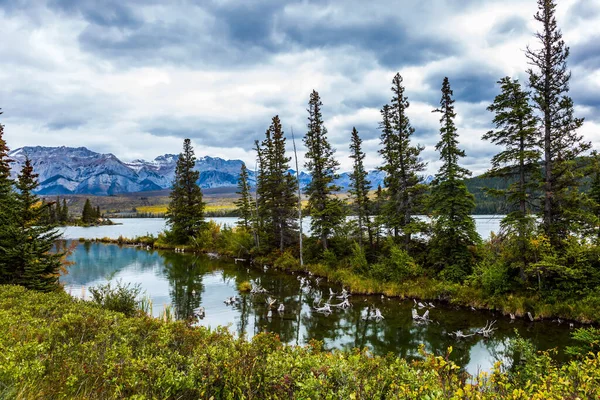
(583, 311)
(54, 346)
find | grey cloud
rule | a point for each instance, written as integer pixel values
(107, 13)
(507, 28)
(470, 83)
(392, 45)
(587, 53)
(208, 132)
(583, 9)
(64, 122)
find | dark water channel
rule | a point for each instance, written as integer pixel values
(188, 281)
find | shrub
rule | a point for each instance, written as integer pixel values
(53, 346)
(244, 286)
(287, 261)
(397, 267)
(358, 259)
(121, 298)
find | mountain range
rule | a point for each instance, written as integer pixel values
(67, 170)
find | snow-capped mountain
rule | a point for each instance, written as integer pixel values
(68, 170)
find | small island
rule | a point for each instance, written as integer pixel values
(56, 212)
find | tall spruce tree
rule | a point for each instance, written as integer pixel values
(359, 188)
(244, 202)
(326, 210)
(64, 212)
(518, 162)
(87, 214)
(185, 213)
(277, 190)
(402, 165)
(561, 145)
(452, 204)
(378, 215)
(33, 264)
(595, 193)
(8, 207)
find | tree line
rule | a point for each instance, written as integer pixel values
(540, 155)
(26, 238)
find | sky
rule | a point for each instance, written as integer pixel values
(136, 77)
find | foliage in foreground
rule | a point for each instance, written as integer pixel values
(53, 346)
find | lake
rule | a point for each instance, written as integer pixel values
(187, 281)
(132, 227)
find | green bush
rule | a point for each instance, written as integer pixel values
(53, 346)
(398, 266)
(121, 298)
(493, 276)
(287, 261)
(358, 259)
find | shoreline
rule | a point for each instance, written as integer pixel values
(422, 288)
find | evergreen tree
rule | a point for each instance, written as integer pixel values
(64, 212)
(33, 264)
(359, 187)
(185, 213)
(561, 145)
(88, 213)
(378, 219)
(261, 181)
(52, 219)
(326, 210)
(519, 159)
(58, 210)
(97, 213)
(452, 204)
(277, 189)
(8, 209)
(595, 192)
(244, 202)
(402, 165)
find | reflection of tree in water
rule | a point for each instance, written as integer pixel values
(185, 277)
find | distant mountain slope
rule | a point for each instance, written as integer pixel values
(68, 170)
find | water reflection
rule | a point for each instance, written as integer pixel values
(189, 281)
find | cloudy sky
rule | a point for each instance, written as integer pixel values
(135, 77)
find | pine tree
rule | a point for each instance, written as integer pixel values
(452, 204)
(58, 210)
(185, 213)
(87, 215)
(595, 192)
(402, 165)
(52, 219)
(244, 202)
(359, 187)
(33, 264)
(326, 210)
(8, 209)
(64, 212)
(561, 145)
(379, 218)
(277, 190)
(97, 213)
(519, 159)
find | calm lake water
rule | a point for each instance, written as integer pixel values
(132, 227)
(187, 281)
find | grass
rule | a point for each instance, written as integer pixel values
(54, 346)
